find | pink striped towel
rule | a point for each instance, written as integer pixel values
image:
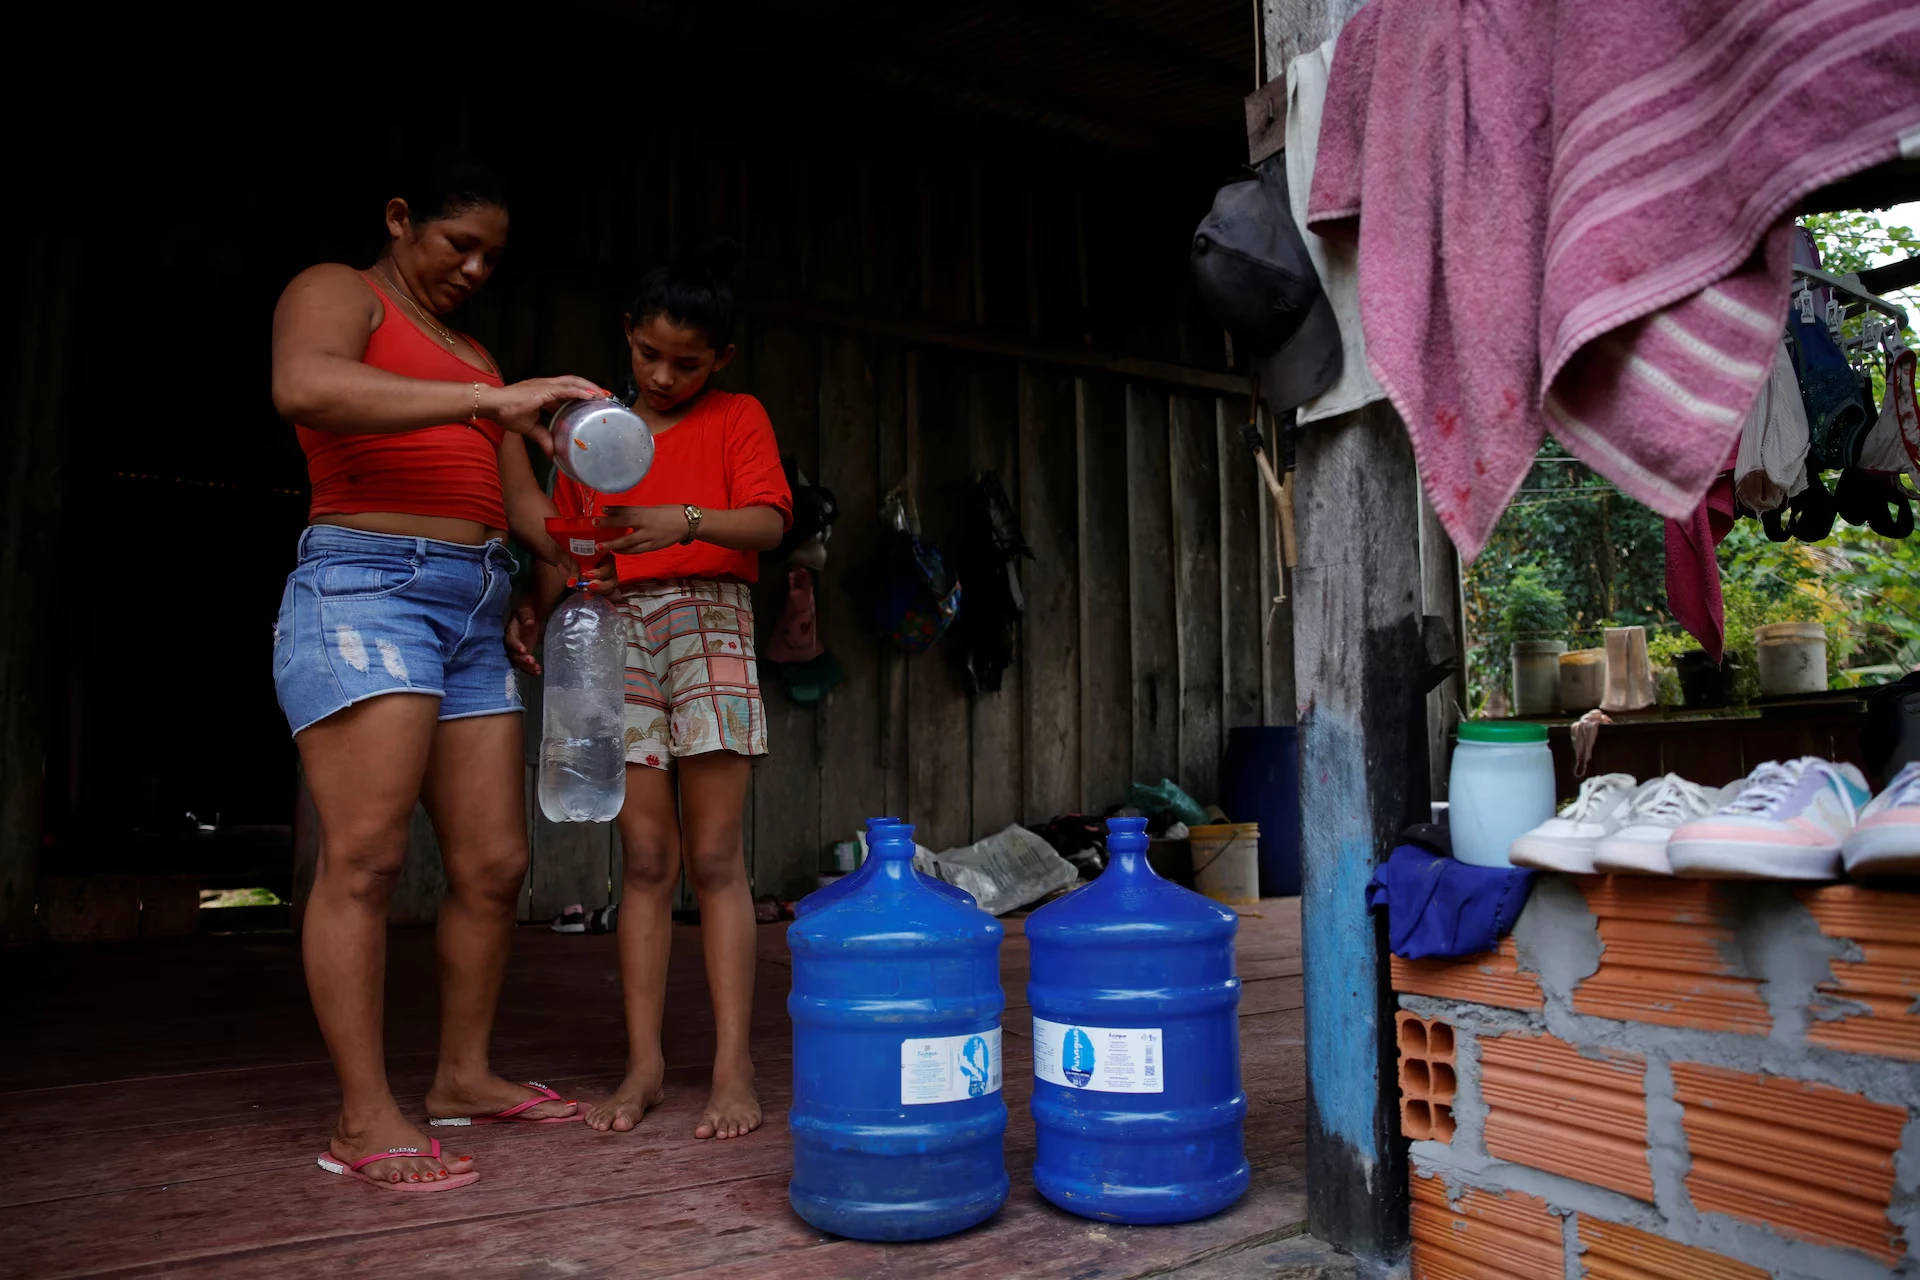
(1574, 218)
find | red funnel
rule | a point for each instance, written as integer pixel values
(581, 538)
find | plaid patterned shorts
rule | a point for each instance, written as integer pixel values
(693, 685)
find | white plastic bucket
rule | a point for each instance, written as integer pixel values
(1226, 861)
(1792, 657)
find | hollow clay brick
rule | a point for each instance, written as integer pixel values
(1880, 989)
(1808, 1160)
(1664, 957)
(1426, 1071)
(1416, 1119)
(1551, 1107)
(1410, 1033)
(1494, 977)
(1482, 1236)
(1616, 1252)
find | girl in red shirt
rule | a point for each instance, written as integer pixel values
(715, 498)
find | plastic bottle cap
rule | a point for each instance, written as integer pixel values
(1501, 733)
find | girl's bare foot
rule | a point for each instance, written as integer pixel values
(733, 1110)
(358, 1137)
(639, 1093)
(487, 1096)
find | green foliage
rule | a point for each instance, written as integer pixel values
(1601, 552)
(1570, 532)
(1854, 241)
(1533, 610)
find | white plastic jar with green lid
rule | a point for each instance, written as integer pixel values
(1501, 788)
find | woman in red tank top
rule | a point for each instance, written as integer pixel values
(389, 657)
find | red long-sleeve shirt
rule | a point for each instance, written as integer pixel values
(721, 457)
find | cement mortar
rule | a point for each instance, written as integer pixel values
(1558, 938)
(1744, 1242)
(1469, 1108)
(1668, 1156)
(1776, 942)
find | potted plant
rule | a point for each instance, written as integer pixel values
(1532, 611)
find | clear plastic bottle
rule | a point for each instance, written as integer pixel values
(583, 768)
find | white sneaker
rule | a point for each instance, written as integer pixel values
(1639, 846)
(1787, 823)
(1886, 842)
(1565, 842)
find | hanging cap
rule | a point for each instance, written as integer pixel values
(1253, 273)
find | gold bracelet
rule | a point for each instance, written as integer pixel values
(475, 415)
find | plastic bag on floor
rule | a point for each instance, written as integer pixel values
(1003, 872)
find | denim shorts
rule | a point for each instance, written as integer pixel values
(370, 613)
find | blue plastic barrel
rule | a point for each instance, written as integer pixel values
(898, 1118)
(1137, 1105)
(828, 894)
(1260, 782)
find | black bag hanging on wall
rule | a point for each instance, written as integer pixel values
(984, 559)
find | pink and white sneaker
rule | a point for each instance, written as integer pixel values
(1787, 823)
(1886, 841)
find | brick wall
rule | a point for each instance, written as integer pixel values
(1669, 1080)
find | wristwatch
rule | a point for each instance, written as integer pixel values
(694, 516)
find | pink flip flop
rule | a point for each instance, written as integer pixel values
(333, 1164)
(512, 1115)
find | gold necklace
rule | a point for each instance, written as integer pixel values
(420, 311)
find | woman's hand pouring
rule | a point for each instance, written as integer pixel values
(518, 405)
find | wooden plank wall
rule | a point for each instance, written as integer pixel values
(1149, 629)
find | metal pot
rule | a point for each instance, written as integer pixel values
(601, 444)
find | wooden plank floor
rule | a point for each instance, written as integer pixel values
(161, 1105)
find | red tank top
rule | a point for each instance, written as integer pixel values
(451, 470)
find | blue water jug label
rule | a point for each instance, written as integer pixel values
(1100, 1059)
(949, 1068)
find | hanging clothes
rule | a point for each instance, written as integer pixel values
(1837, 416)
(1772, 463)
(1569, 218)
(1335, 260)
(1894, 443)
(985, 560)
(1693, 570)
(797, 638)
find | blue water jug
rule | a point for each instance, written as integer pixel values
(898, 1118)
(1137, 1106)
(828, 894)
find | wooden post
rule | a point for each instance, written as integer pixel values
(1358, 599)
(1358, 596)
(32, 437)
(1440, 575)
